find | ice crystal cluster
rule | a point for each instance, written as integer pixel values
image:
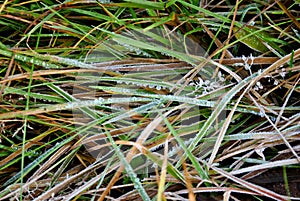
(208, 85)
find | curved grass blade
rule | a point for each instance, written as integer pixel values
(137, 183)
(187, 151)
(218, 109)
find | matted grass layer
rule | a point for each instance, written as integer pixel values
(149, 100)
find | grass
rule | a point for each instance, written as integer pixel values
(149, 100)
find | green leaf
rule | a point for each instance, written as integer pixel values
(251, 41)
(258, 39)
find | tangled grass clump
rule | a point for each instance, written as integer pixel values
(149, 100)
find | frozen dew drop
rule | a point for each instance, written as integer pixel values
(221, 77)
(259, 72)
(244, 58)
(282, 73)
(259, 85)
(262, 113)
(207, 82)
